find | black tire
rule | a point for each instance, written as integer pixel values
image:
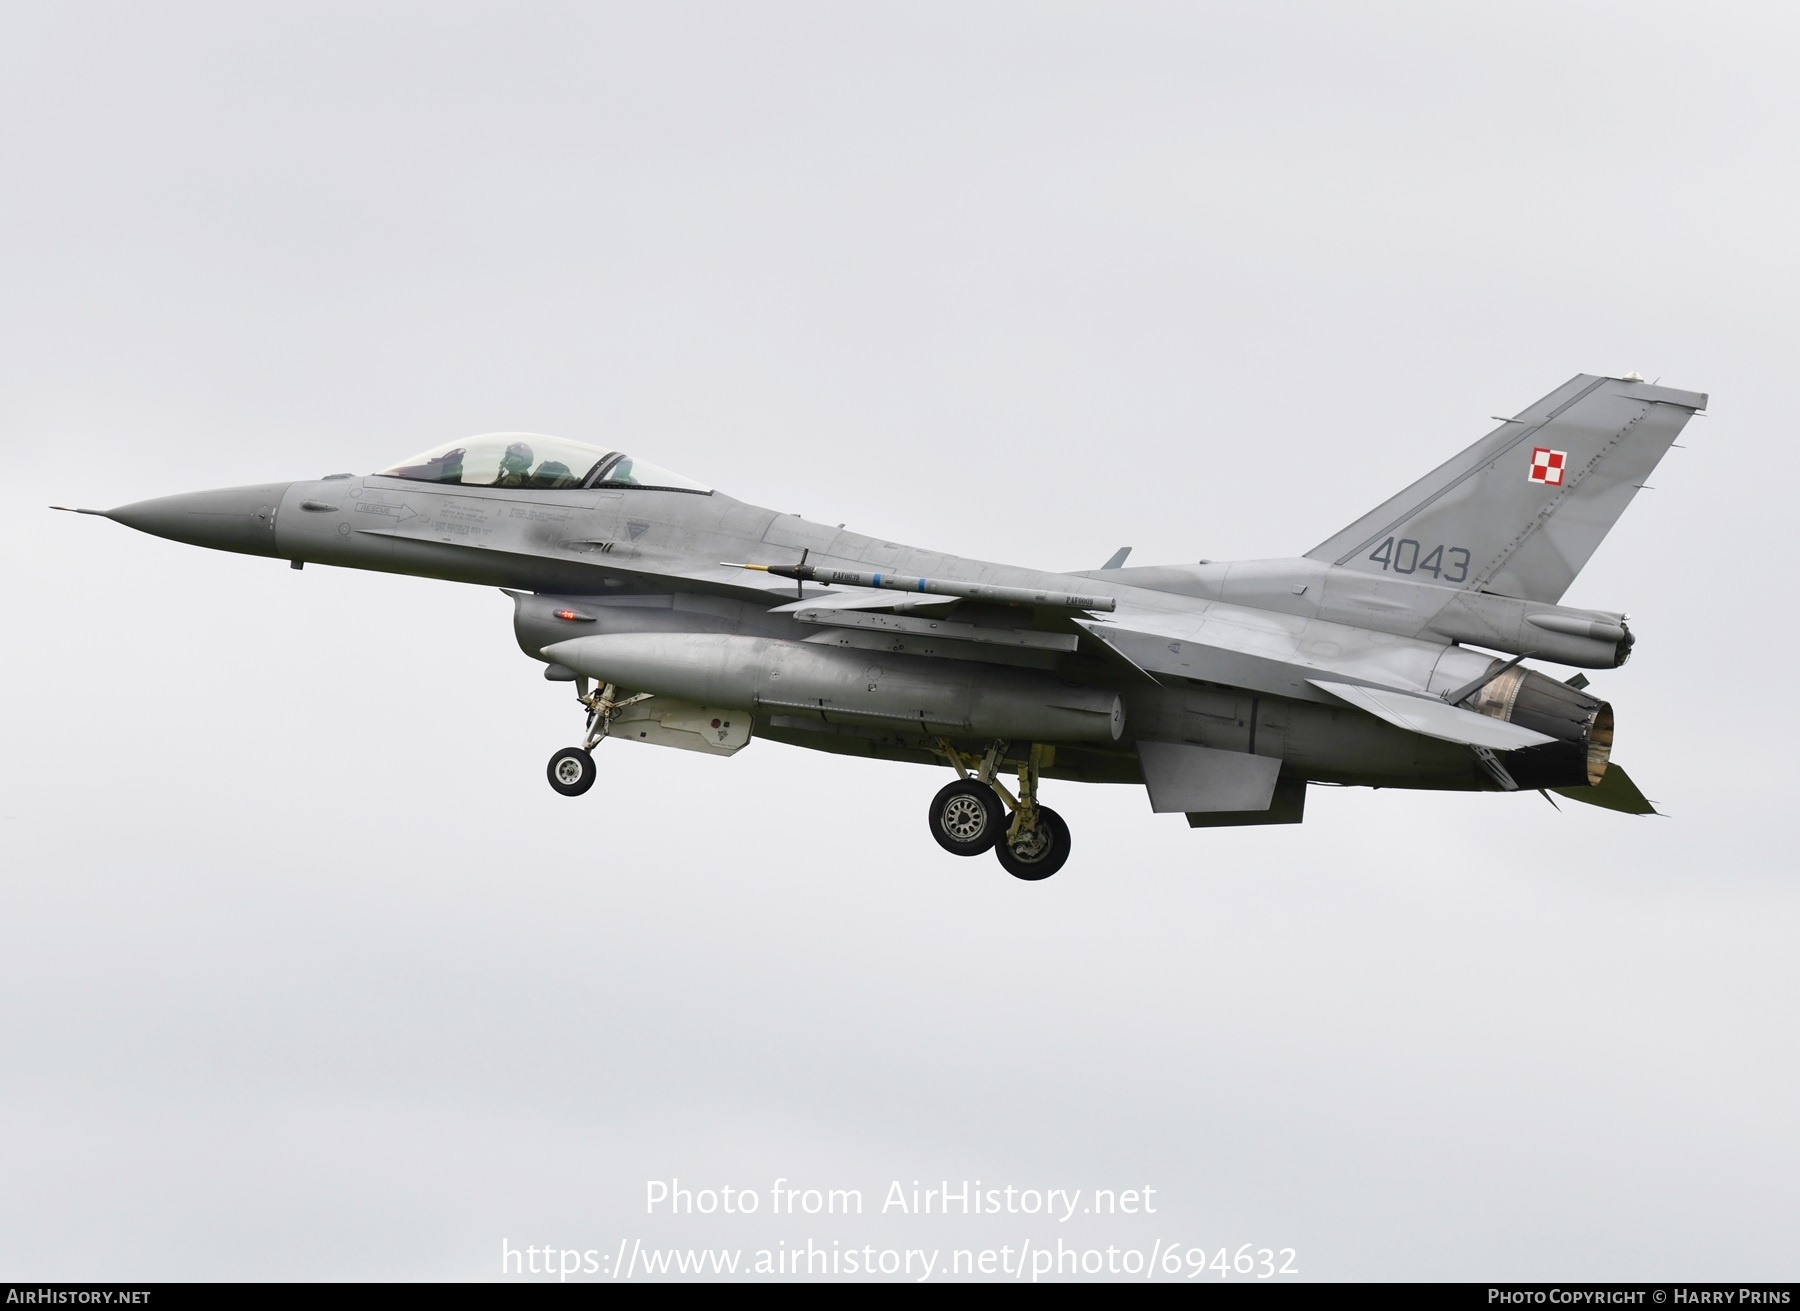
(967, 818)
(571, 771)
(1039, 854)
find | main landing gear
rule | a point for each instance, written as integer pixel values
(976, 813)
(969, 816)
(571, 770)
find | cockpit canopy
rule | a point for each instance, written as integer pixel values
(528, 459)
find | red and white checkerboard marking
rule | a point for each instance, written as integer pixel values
(1547, 466)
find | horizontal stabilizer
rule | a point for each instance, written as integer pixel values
(1614, 791)
(1431, 717)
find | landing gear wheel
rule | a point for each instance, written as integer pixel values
(571, 771)
(1040, 852)
(966, 817)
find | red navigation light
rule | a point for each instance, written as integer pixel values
(565, 614)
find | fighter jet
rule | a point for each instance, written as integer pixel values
(1391, 655)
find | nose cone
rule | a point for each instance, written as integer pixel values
(230, 519)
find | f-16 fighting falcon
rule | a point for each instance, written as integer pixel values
(1390, 655)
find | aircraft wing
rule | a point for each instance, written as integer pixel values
(905, 607)
(932, 629)
(1258, 650)
(862, 599)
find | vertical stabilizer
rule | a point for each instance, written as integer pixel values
(1523, 509)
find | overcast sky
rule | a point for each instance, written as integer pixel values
(307, 973)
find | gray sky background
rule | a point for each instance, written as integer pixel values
(309, 974)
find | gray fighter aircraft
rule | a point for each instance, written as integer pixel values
(687, 619)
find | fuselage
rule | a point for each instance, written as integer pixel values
(689, 619)
(1214, 655)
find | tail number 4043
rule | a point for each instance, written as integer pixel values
(1448, 564)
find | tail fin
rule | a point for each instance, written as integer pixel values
(1522, 510)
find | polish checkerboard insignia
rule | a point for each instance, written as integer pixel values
(1547, 466)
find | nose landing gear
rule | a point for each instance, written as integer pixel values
(966, 816)
(571, 770)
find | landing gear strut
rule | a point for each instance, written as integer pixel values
(966, 816)
(571, 770)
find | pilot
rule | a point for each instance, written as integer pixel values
(515, 466)
(552, 473)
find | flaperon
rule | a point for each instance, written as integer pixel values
(685, 618)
